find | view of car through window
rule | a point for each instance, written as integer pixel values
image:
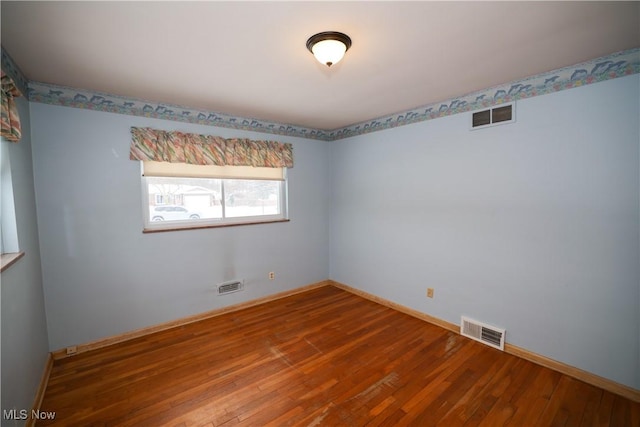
(169, 213)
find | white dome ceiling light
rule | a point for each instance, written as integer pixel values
(329, 47)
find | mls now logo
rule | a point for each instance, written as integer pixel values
(23, 414)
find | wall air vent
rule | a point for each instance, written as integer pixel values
(494, 116)
(484, 333)
(230, 287)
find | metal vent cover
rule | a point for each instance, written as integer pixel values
(230, 287)
(486, 334)
(505, 113)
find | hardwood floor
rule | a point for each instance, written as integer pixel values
(321, 358)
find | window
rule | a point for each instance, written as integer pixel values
(192, 181)
(9, 249)
(163, 198)
(178, 195)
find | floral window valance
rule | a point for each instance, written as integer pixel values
(9, 112)
(176, 147)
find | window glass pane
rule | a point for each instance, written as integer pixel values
(8, 224)
(187, 202)
(180, 199)
(251, 197)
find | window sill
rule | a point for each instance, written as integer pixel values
(8, 259)
(197, 227)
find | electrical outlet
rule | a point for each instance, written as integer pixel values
(72, 350)
(272, 275)
(430, 292)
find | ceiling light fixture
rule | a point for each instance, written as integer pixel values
(329, 47)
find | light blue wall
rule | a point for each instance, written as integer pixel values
(103, 276)
(532, 226)
(24, 329)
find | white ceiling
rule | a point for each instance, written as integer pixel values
(249, 59)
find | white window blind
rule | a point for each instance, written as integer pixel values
(184, 170)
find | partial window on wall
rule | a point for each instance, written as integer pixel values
(8, 226)
(179, 195)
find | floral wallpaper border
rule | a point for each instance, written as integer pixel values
(12, 70)
(616, 65)
(78, 98)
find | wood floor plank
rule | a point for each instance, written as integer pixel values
(603, 410)
(531, 404)
(488, 366)
(319, 358)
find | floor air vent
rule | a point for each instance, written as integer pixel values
(229, 287)
(489, 335)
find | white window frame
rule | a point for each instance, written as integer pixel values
(171, 225)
